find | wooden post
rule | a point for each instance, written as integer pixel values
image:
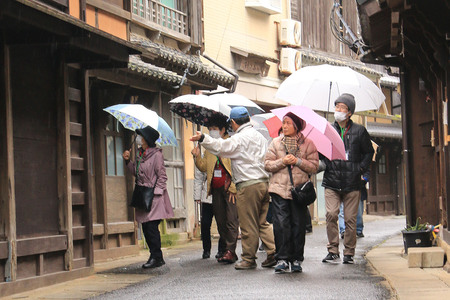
(63, 163)
(8, 199)
(87, 167)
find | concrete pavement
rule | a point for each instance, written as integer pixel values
(387, 259)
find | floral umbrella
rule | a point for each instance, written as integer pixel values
(136, 116)
(199, 109)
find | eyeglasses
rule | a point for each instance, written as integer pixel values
(341, 107)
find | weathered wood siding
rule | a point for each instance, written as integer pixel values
(315, 18)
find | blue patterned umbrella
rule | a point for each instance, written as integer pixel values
(136, 116)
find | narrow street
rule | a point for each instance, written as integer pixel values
(187, 276)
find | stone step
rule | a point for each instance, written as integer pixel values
(425, 257)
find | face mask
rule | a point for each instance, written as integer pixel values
(139, 140)
(215, 134)
(340, 116)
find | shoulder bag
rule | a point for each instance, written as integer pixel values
(305, 193)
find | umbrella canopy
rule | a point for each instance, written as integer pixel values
(199, 109)
(325, 137)
(318, 86)
(136, 116)
(233, 100)
(258, 123)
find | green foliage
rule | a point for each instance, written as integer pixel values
(418, 226)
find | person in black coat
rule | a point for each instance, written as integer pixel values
(342, 179)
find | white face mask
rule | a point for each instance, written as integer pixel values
(340, 116)
(215, 134)
(139, 140)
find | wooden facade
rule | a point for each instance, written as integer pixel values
(63, 185)
(393, 31)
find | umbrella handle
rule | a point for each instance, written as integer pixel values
(329, 96)
(134, 140)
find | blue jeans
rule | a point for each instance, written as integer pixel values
(359, 218)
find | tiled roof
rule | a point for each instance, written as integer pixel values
(168, 56)
(136, 64)
(339, 60)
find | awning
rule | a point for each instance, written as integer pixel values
(260, 94)
(389, 81)
(381, 130)
(250, 53)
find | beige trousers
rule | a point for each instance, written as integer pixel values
(252, 205)
(333, 200)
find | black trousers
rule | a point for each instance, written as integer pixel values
(153, 238)
(205, 228)
(289, 221)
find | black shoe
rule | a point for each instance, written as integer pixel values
(331, 258)
(348, 259)
(342, 234)
(206, 254)
(153, 263)
(359, 234)
(296, 266)
(219, 254)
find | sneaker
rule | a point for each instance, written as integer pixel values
(269, 262)
(261, 247)
(342, 234)
(296, 266)
(348, 259)
(359, 234)
(245, 265)
(282, 266)
(331, 258)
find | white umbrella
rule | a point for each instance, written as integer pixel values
(199, 109)
(258, 123)
(233, 100)
(317, 87)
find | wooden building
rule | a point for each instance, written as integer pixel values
(414, 36)
(63, 188)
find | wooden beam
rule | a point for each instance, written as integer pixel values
(9, 288)
(125, 78)
(38, 245)
(120, 227)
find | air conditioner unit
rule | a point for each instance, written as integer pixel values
(290, 33)
(270, 7)
(290, 60)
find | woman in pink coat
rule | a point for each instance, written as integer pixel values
(149, 171)
(291, 150)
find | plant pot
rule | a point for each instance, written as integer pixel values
(414, 238)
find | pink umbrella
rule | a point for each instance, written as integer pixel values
(325, 137)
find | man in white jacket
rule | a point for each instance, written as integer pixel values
(247, 149)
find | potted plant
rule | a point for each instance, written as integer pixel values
(417, 235)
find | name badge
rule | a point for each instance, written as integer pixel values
(218, 173)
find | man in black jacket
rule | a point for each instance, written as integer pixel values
(342, 179)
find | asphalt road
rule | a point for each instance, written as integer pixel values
(187, 276)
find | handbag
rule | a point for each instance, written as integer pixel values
(142, 197)
(305, 193)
